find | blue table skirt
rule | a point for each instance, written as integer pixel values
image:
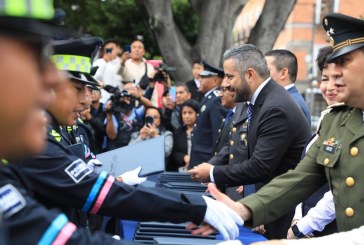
(246, 235)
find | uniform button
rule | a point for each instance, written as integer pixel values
(242, 136)
(354, 151)
(195, 125)
(350, 181)
(219, 130)
(231, 156)
(223, 120)
(326, 161)
(191, 134)
(215, 153)
(231, 142)
(234, 129)
(349, 212)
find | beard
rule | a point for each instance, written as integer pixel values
(242, 92)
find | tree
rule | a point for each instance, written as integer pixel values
(214, 37)
(179, 30)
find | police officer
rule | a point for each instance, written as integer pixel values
(206, 130)
(23, 38)
(63, 180)
(337, 153)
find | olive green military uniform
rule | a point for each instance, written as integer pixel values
(338, 154)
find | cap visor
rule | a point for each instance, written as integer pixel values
(343, 51)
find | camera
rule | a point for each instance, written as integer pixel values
(118, 103)
(161, 74)
(108, 50)
(149, 120)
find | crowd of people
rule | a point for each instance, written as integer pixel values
(243, 128)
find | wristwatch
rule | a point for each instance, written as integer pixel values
(297, 232)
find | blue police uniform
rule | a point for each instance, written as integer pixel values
(63, 180)
(29, 222)
(206, 130)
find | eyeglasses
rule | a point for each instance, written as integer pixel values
(227, 88)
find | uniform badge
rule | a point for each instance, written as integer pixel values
(331, 145)
(11, 201)
(209, 97)
(203, 108)
(78, 170)
(216, 93)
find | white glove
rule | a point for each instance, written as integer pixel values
(231, 242)
(132, 177)
(223, 218)
(94, 163)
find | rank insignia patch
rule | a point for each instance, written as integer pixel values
(11, 201)
(78, 170)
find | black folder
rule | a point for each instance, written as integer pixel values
(148, 154)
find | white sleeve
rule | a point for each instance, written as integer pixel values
(99, 75)
(352, 237)
(319, 216)
(298, 212)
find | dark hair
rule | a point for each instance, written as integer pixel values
(322, 56)
(189, 103)
(137, 40)
(181, 84)
(247, 56)
(285, 59)
(162, 126)
(197, 62)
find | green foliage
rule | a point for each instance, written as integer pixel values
(123, 20)
(186, 19)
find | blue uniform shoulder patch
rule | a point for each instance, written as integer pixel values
(78, 170)
(11, 201)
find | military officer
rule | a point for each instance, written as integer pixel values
(63, 180)
(337, 153)
(227, 101)
(206, 130)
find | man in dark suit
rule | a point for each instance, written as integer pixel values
(194, 84)
(282, 65)
(277, 129)
(205, 132)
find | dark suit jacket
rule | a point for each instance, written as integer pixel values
(205, 132)
(179, 149)
(195, 94)
(277, 136)
(296, 95)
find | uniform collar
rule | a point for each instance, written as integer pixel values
(210, 91)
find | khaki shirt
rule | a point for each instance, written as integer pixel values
(338, 155)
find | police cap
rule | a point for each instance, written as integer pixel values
(30, 19)
(346, 33)
(74, 56)
(211, 71)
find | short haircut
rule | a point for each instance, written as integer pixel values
(137, 40)
(192, 104)
(284, 58)
(110, 41)
(248, 56)
(181, 84)
(322, 56)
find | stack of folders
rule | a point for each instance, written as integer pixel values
(181, 182)
(169, 233)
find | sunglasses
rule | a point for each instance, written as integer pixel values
(227, 88)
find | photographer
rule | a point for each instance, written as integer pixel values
(122, 116)
(154, 127)
(108, 65)
(159, 85)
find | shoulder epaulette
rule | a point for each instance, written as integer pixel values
(216, 93)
